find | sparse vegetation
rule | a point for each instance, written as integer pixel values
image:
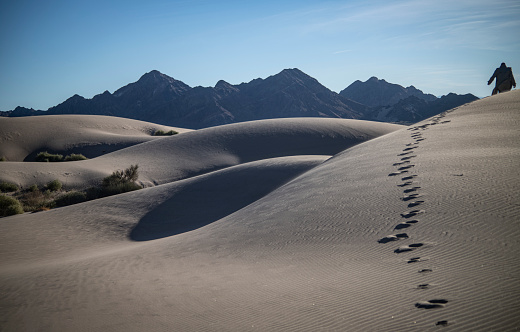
(9, 206)
(8, 187)
(75, 157)
(120, 182)
(72, 197)
(49, 157)
(165, 133)
(3, 158)
(54, 185)
(33, 199)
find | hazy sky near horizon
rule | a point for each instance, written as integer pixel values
(51, 50)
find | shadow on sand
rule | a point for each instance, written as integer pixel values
(202, 200)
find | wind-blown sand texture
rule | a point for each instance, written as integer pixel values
(415, 230)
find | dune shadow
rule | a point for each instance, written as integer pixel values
(208, 198)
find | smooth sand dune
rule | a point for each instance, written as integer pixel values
(192, 153)
(91, 135)
(416, 230)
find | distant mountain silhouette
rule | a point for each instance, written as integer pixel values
(158, 98)
(375, 92)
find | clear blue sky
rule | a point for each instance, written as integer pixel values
(51, 50)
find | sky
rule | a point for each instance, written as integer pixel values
(51, 50)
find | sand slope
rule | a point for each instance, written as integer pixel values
(315, 248)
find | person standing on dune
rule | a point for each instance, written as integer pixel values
(505, 79)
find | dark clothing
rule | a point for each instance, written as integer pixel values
(504, 79)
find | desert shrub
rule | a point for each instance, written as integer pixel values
(75, 157)
(118, 188)
(54, 185)
(48, 157)
(3, 158)
(37, 200)
(165, 133)
(8, 187)
(72, 197)
(120, 182)
(9, 206)
(33, 188)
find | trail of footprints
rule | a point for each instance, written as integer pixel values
(413, 199)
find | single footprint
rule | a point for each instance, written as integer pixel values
(411, 144)
(410, 148)
(431, 304)
(406, 224)
(412, 213)
(391, 238)
(410, 197)
(409, 190)
(414, 260)
(408, 158)
(442, 323)
(405, 167)
(414, 204)
(409, 177)
(425, 270)
(423, 286)
(446, 121)
(420, 139)
(397, 173)
(409, 247)
(404, 153)
(401, 163)
(407, 183)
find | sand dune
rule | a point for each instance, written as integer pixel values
(91, 135)
(415, 230)
(193, 153)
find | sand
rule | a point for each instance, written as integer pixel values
(382, 228)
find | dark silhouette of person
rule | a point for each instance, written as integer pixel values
(505, 79)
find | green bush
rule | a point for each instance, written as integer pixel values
(120, 182)
(54, 185)
(8, 187)
(48, 157)
(33, 188)
(9, 206)
(164, 133)
(75, 157)
(3, 158)
(72, 197)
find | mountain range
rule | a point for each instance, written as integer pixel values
(161, 99)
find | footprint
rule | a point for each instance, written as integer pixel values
(405, 167)
(397, 173)
(409, 177)
(412, 213)
(407, 183)
(446, 121)
(442, 323)
(414, 260)
(409, 190)
(420, 140)
(410, 197)
(404, 153)
(425, 270)
(423, 286)
(414, 204)
(431, 304)
(408, 158)
(409, 247)
(411, 144)
(391, 238)
(410, 148)
(406, 224)
(401, 163)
